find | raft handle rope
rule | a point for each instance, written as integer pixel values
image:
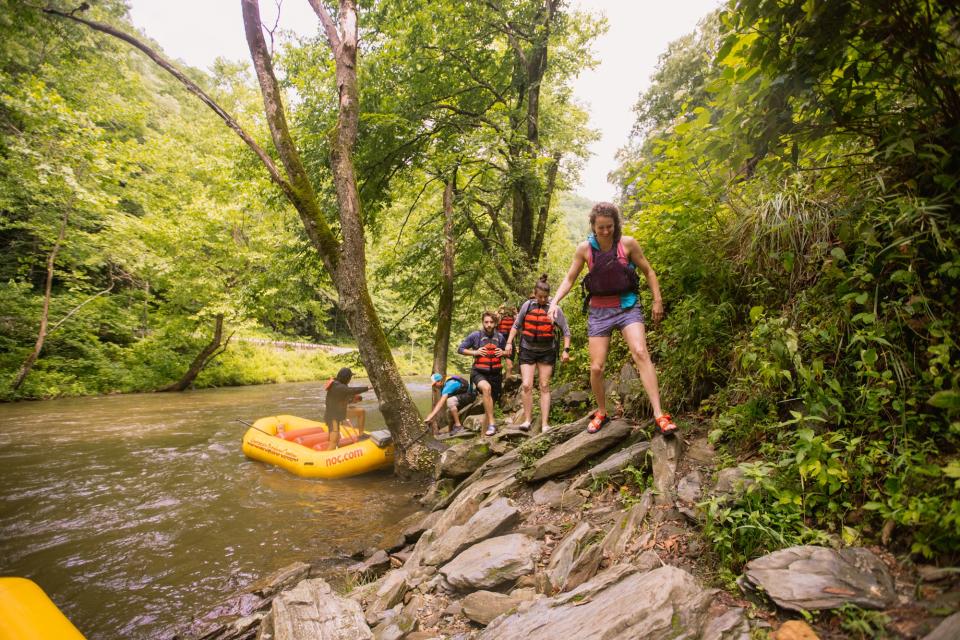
(244, 422)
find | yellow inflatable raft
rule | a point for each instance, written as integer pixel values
(27, 612)
(299, 446)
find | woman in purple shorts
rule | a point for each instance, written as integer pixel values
(613, 285)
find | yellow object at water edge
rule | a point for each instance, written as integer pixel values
(298, 445)
(26, 613)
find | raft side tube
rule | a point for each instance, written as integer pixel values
(26, 613)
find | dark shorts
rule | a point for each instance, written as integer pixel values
(495, 380)
(603, 321)
(461, 399)
(533, 357)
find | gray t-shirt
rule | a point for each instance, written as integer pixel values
(540, 347)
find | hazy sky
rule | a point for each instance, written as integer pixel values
(197, 31)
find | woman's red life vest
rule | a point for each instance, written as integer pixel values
(485, 360)
(506, 323)
(537, 326)
(610, 273)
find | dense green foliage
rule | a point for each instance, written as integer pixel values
(168, 223)
(163, 219)
(792, 177)
(794, 182)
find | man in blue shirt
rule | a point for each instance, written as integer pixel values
(486, 348)
(455, 393)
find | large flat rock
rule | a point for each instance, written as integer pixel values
(492, 562)
(571, 453)
(618, 604)
(809, 577)
(313, 610)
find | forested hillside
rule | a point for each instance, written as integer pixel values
(794, 179)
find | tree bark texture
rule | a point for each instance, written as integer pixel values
(350, 275)
(346, 260)
(27, 365)
(214, 348)
(441, 341)
(529, 199)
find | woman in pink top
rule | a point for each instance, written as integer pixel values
(613, 260)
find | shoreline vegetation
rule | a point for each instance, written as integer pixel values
(248, 361)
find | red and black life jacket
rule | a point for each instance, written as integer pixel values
(537, 325)
(486, 360)
(506, 323)
(610, 272)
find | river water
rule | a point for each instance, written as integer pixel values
(135, 512)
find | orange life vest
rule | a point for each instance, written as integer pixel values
(506, 323)
(486, 360)
(537, 325)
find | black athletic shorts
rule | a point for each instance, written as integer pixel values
(461, 400)
(495, 380)
(533, 357)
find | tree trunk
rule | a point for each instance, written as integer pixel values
(531, 200)
(350, 276)
(399, 412)
(441, 341)
(27, 365)
(213, 349)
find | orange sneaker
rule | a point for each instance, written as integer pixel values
(665, 424)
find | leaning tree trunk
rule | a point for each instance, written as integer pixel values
(345, 262)
(441, 340)
(214, 348)
(27, 365)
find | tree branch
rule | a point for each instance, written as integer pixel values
(191, 87)
(333, 37)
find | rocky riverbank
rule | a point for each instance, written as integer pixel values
(538, 536)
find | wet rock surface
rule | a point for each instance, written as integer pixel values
(548, 538)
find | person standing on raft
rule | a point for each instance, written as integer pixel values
(613, 286)
(486, 375)
(339, 395)
(538, 350)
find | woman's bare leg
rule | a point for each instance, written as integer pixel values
(599, 346)
(544, 372)
(636, 338)
(526, 390)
